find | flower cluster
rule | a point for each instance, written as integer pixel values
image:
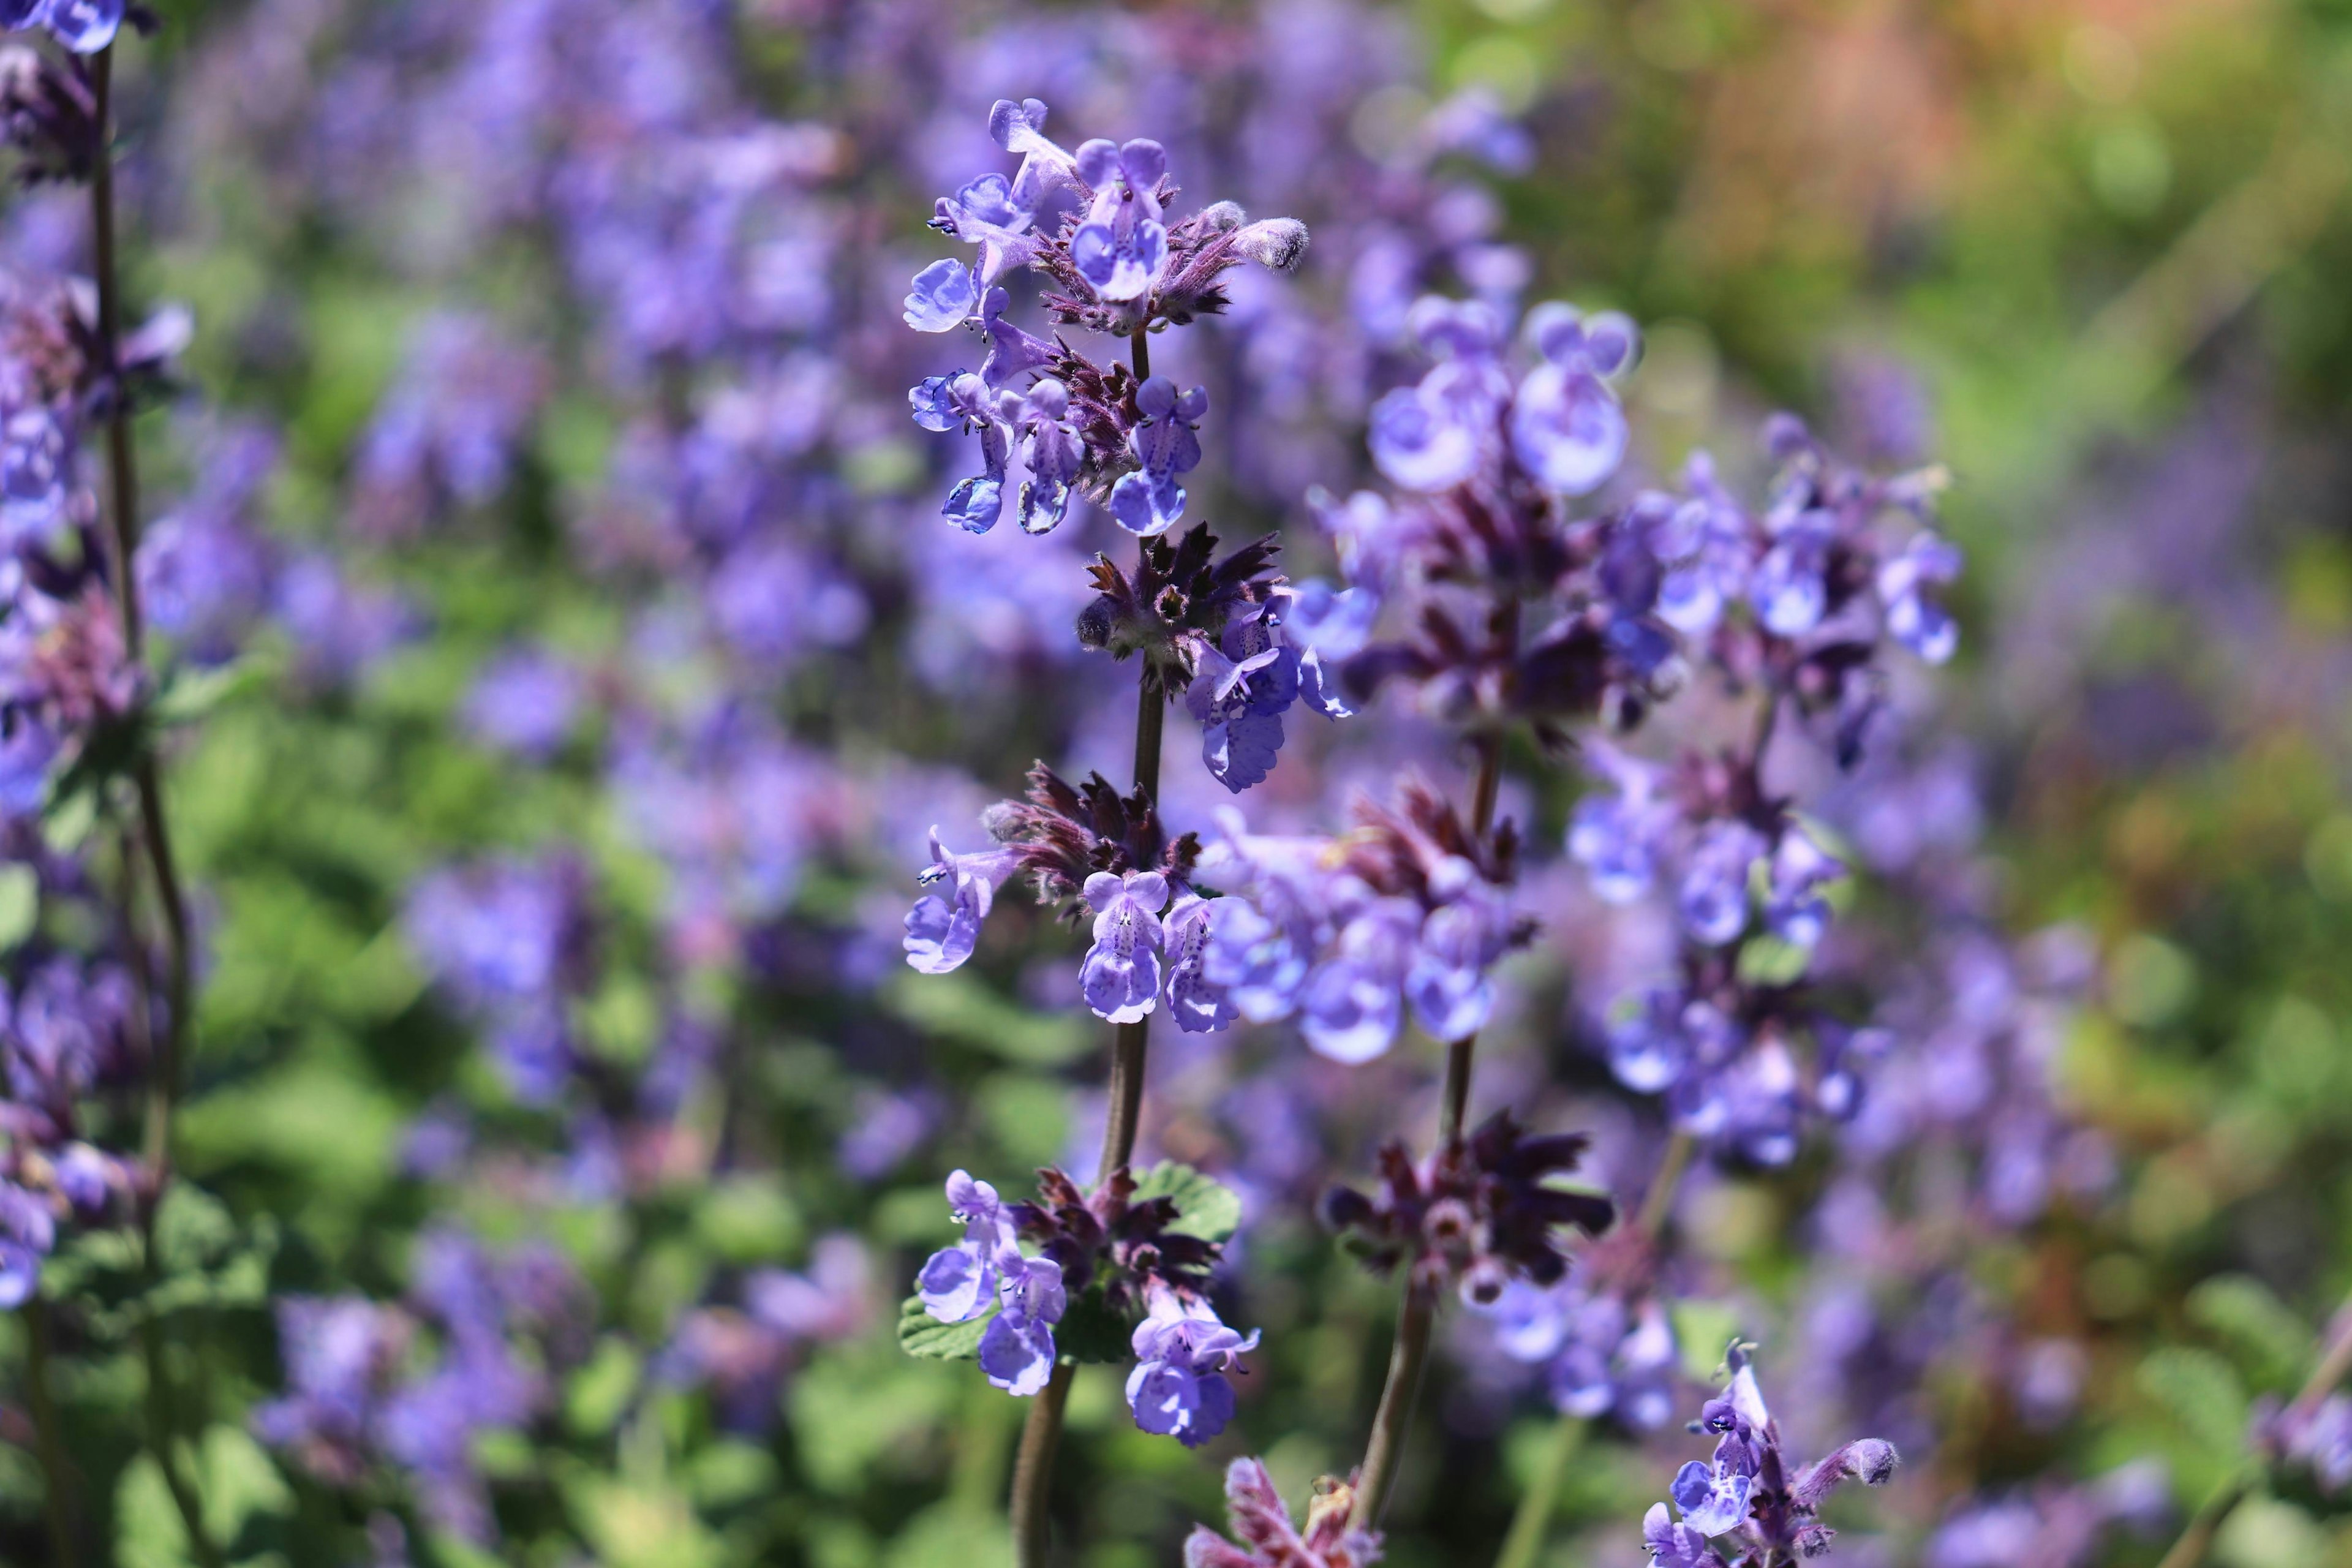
(1601, 1336)
(1749, 1495)
(504, 1322)
(1093, 223)
(1478, 1215)
(1126, 1256)
(1410, 907)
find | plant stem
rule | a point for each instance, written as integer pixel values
(1033, 1473)
(2333, 1364)
(1418, 1314)
(1398, 1395)
(1527, 1525)
(152, 834)
(1033, 1468)
(46, 1433)
(1142, 349)
(1534, 1513)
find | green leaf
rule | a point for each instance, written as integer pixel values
(1091, 1331)
(188, 694)
(2201, 1391)
(20, 905)
(1702, 1329)
(921, 1334)
(962, 1008)
(1765, 960)
(1205, 1207)
(2270, 1341)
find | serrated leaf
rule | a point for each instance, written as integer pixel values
(2201, 1391)
(1205, 1207)
(1090, 1331)
(921, 1334)
(2269, 1340)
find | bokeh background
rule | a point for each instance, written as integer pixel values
(595, 661)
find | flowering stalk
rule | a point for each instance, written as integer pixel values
(1417, 1316)
(2334, 1362)
(47, 1435)
(151, 841)
(1041, 1431)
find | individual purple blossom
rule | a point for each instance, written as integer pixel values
(943, 297)
(1016, 1350)
(1618, 839)
(84, 27)
(957, 1283)
(1165, 442)
(525, 703)
(1121, 973)
(1598, 1355)
(1713, 898)
(1182, 1352)
(340, 1356)
(1793, 908)
(1567, 428)
(1244, 686)
(27, 1233)
(1748, 1491)
(1914, 617)
(1198, 1003)
(1122, 247)
(942, 932)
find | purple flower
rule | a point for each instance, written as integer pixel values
(1567, 428)
(1167, 443)
(1712, 1501)
(942, 298)
(1268, 1539)
(1617, 839)
(1448, 983)
(84, 27)
(1912, 618)
(1017, 1349)
(1198, 1003)
(1178, 1388)
(1794, 908)
(1120, 975)
(1239, 694)
(1420, 441)
(524, 701)
(957, 1283)
(942, 932)
(1713, 898)
(1673, 1544)
(1051, 452)
(27, 1233)
(1790, 587)
(1123, 248)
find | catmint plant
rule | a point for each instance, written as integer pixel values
(1094, 224)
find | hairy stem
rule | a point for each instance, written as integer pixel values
(47, 1437)
(1142, 345)
(2334, 1361)
(1398, 1395)
(152, 834)
(1033, 1473)
(1534, 1515)
(1418, 1315)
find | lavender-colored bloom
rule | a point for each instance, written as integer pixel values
(1120, 975)
(524, 701)
(1794, 908)
(942, 932)
(943, 297)
(1182, 1352)
(340, 1354)
(1167, 443)
(1448, 984)
(1712, 1501)
(1617, 839)
(84, 27)
(1420, 441)
(957, 1283)
(1673, 1543)
(1239, 694)
(27, 1233)
(1790, 587)
(1567, 428)
(1713, 898)
(1352, 1005)
(1914, 618)
(1017, 1352)
(1198, 1003)
(1121, 248)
